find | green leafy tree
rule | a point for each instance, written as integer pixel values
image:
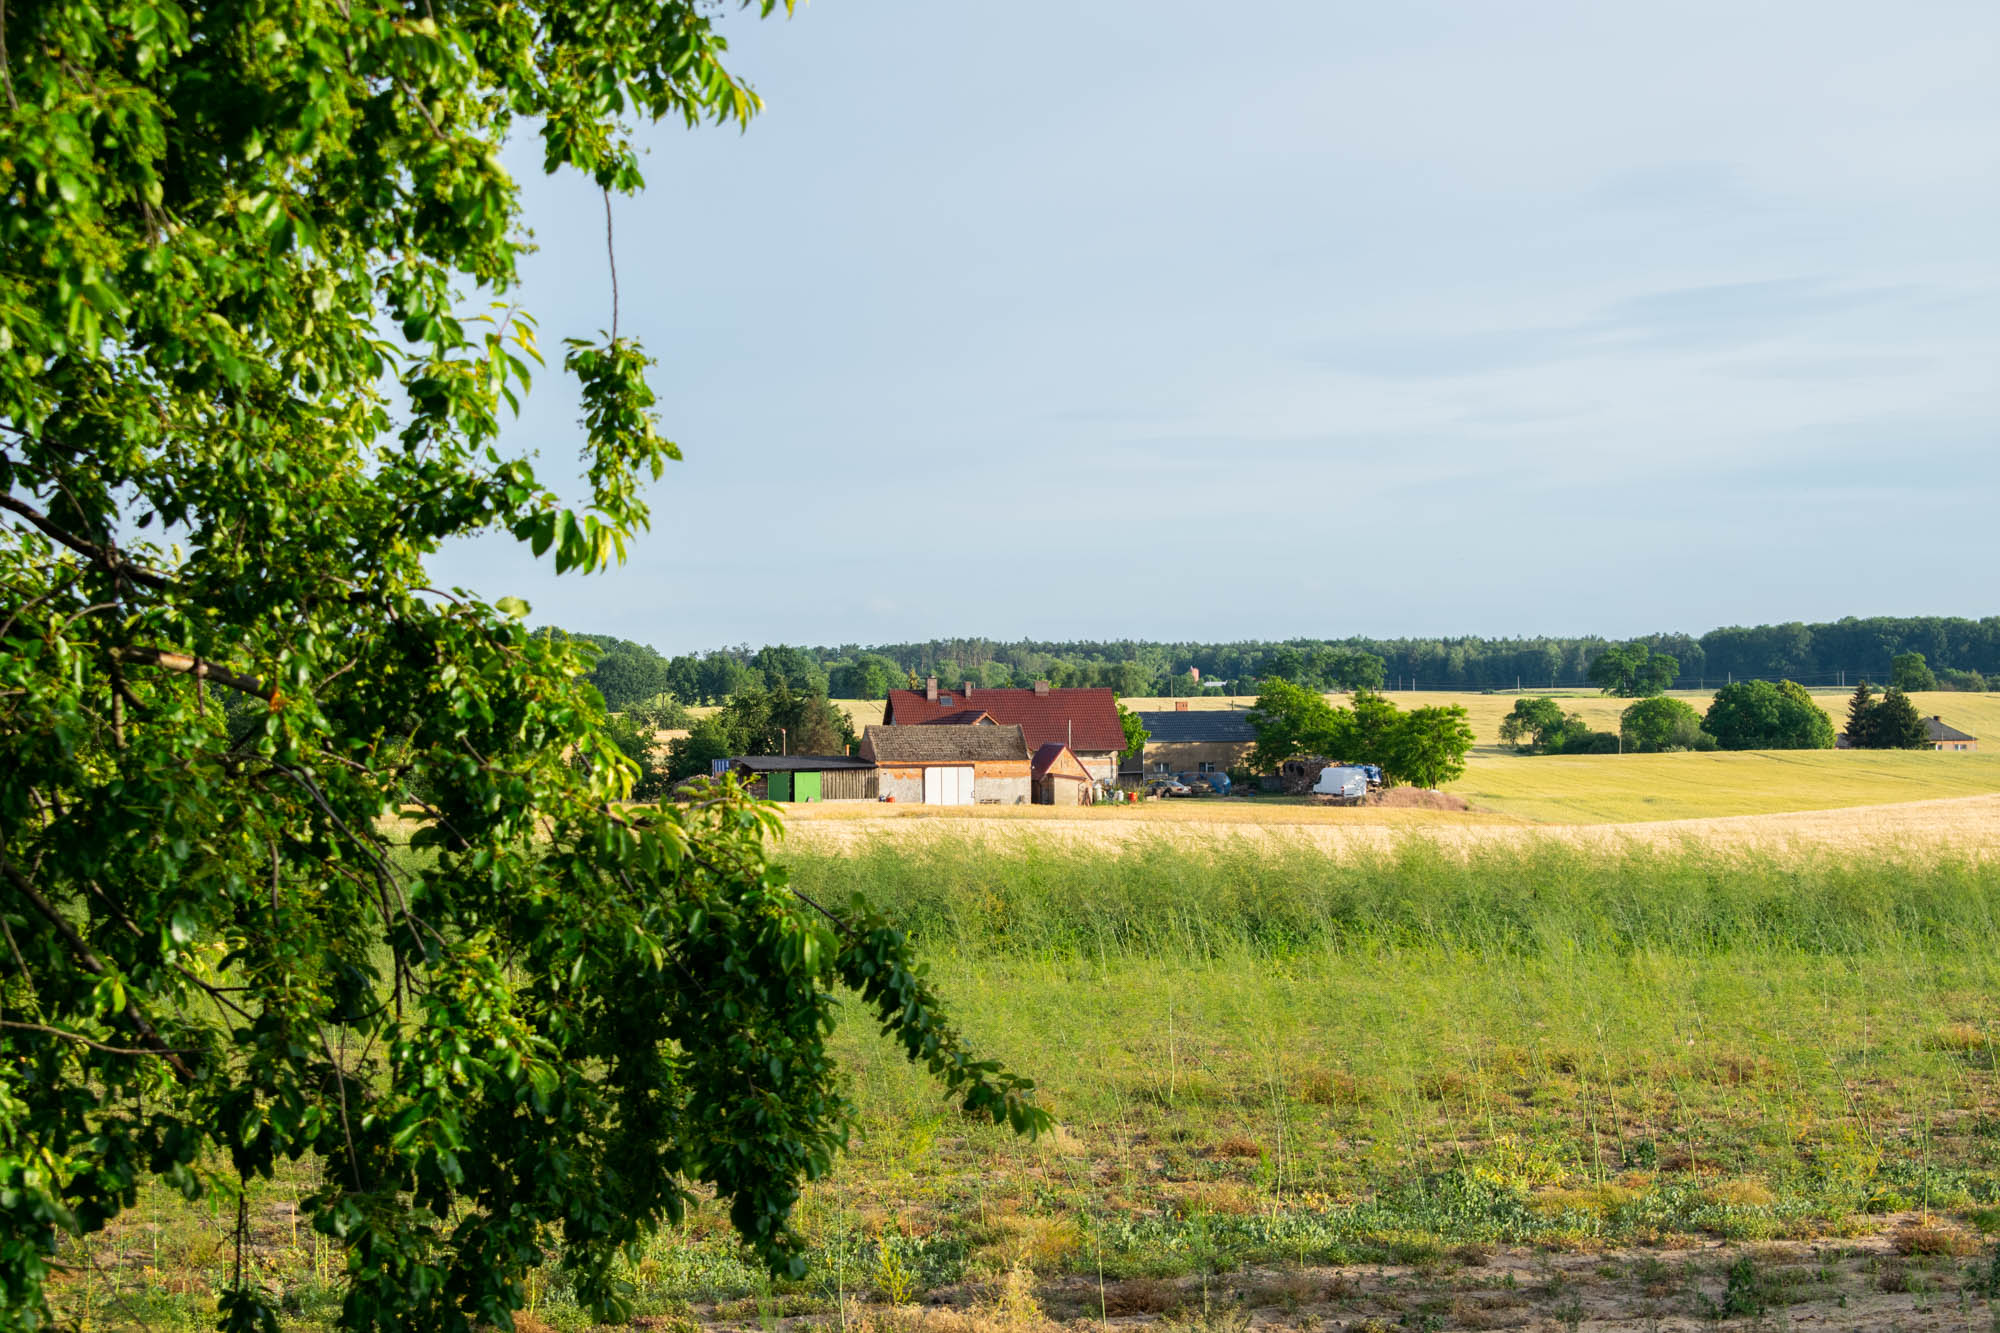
(1374, 736)
(1659, 723)
(233, 241)
(786, 667)
(694, 754)
(1429, 746)
(868, 676)
(720, 676)
(1539, 723)
(1136, 734)
(1909, 672)
(1633, 670)
(1291, 722)
(626, 674)
(1760, 715)
(1895, 723)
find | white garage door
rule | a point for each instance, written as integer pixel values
(948, 786)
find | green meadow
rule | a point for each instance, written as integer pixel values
(1261, 1056)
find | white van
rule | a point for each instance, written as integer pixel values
(1349, 784)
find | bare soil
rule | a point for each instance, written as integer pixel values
(1914, 1277)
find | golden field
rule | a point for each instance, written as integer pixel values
(1978, 714)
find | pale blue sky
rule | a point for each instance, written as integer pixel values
(1176, 320)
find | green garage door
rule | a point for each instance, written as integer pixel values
(780, 787)
(806, 787)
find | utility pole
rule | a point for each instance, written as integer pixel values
(784, 742)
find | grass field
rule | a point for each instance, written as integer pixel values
(1425, 1090)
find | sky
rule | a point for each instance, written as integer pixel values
(1165, 320)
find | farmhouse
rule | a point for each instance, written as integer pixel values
(803, 777)
(1060, 777)
(1195, 741)
(1084, 720)
(1943, 737)
(950, 765)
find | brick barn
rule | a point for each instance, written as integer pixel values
(986, 764)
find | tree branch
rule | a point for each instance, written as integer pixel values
(198, 667)
(107, 555)
(91, 964)
(79, 1038)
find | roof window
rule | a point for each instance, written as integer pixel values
(944, 698)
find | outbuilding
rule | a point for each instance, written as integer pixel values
(950, 765)
(1060, 777)
(804, 777)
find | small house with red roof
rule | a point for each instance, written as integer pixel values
(1059, 776)
(1085, 721)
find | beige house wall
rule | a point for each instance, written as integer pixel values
(1189, 756)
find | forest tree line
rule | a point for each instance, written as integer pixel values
(1962, 653)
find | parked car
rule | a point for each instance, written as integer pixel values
(1202, 784)
(1167, 787)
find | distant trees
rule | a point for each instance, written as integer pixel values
(759, 721)
(1658, 724)
(1426, 746)
(795, 669)
(866, 676)
(1891, 722)
(1758, 715)
(1633, 670)
(1959, 653)
(1908, 671)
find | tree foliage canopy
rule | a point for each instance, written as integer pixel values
(1758, 715)
(1659, 723)
(1426, 746)
(249, 382)
(1890, 722)
(1633, 670)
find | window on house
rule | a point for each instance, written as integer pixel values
(1159, 766)
(1204, 767)
(944, 698)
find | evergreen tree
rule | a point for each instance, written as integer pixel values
(1861, 706)
(1897, 723)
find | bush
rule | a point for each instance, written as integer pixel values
(1587, 742)
(1760, 715)
(1657, 724)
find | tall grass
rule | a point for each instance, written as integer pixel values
(1169, 899)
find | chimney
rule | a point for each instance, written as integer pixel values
(930, 688)
(967, 688)
(1180, 705)
(1041, 687)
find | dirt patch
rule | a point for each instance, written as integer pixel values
(1417, 798)
(1861, 1284)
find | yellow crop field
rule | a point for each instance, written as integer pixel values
(1611, 788)
(1978, 714)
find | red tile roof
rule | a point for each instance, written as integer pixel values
(1045, 718)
